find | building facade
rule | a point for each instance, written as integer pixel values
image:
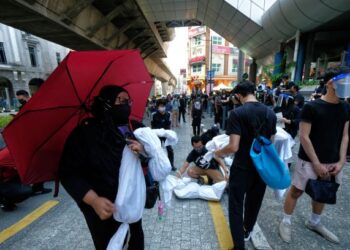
(211, 59)
(25, 63)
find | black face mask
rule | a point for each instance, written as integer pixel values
(22, 101)
(120, 113)
(199, 150)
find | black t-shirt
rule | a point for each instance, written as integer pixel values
(244, 121)
(199, 161)
(160, 120)
(327, 127)
(193, 155)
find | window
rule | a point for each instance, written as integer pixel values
(216, 67)
(2, 54)
(58, 57)
(217, 40)
(197, 68)
(234, 68)
(197, 40)
(32, 56)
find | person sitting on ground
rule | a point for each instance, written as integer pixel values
(23, 97)
(201, 166)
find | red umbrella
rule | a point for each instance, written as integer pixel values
(7, 165)
(37, 134)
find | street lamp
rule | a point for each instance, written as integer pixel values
(211, 65)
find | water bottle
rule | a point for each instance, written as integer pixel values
(160, 210)
(341, 84)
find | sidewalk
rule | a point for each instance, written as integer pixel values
(187, 224)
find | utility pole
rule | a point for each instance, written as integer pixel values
(211, 65)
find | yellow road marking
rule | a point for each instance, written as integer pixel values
(221, 227)
(27, 220)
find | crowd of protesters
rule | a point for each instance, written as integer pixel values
(321, 155)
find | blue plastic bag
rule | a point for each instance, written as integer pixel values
(269, 165)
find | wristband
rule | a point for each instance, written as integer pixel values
(178, 171)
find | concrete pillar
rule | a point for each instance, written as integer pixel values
(277, 69)
(240, 67)
(252, 71)
(280, 60)
(300, 62)
(164, 88)
(347, 56)
(295, 55)
(153, 89)
(309, 53)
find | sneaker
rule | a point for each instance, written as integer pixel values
(323, 231)
(200, 180)
(247, 235)
(285, 232)
(8, 207)
(41, 191)
(173, 169)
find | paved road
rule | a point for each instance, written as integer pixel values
(187, 225)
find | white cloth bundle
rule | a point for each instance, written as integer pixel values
(218, 142)
(159, 164)
(284, 143)
(193, 190)
(185, 188)
(131, 196)
(171, 136)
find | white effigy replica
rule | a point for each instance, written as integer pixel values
(131, 196)
(186, 188)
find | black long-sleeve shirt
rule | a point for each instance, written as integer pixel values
(91, 160)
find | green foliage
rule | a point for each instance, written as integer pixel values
(268, 70)
(310, 82)
(4, 120)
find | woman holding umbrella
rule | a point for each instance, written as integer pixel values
(90, 163)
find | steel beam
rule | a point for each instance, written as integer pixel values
(124, 44)
(118, 32)
(105, 20)
(74, 11)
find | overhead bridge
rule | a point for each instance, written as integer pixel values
(93, 25)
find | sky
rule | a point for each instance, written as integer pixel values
(177, 52)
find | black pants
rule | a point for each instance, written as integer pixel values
(196, 129)
(170, 151)
(182, 113)
(14, 192)
(103, 230)
(245, 186)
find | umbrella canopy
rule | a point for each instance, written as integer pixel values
(36, 136)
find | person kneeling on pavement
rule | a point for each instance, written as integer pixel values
(201, 166)
(12, 191)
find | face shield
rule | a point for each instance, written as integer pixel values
(341, 84)
(282, 100)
